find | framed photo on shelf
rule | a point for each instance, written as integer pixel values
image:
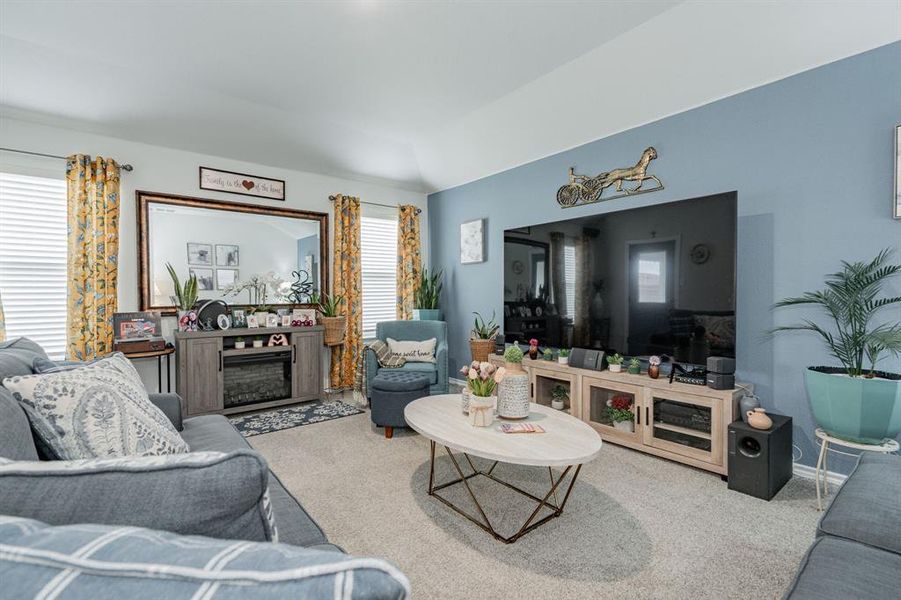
(252, 322)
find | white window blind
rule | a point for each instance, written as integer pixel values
(33, 277)
(378, 247)
(569, 278)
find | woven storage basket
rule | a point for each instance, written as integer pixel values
(481, 349)
(335, 327)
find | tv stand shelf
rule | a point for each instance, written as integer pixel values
(679, 421)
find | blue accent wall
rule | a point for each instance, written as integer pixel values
(811, 158)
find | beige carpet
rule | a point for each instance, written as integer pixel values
(635, 527)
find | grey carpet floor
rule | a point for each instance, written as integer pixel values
(636, 526)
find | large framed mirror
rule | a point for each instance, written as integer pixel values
(244, 254)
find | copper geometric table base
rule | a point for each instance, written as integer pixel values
(483, 522)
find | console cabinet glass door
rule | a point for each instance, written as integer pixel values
(685, 424)
(604, 401)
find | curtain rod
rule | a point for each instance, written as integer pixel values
(125, 167)
(418, 210)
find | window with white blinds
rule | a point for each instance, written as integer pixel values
(378, 247)
(33, 259)
(569, 278)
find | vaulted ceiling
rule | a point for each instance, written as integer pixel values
(425, 95)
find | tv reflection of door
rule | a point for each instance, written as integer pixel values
(652, 287)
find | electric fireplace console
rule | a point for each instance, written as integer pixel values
(213, 376)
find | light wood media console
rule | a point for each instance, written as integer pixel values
(679, 421)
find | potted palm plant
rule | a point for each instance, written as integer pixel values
(481, 339)
(425, 301)
(185, 299)
(335, 324)
(854, 401)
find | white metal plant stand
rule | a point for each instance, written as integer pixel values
(886, 447)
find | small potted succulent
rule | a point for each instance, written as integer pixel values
(619, 409)
(513, 358)
(548, 354)
(481, 338)
(615, 363)
(533, 349)
(563, 356)
(239, 343)
(634, 366)
(258, 342)
(559, 396)
(654, 367)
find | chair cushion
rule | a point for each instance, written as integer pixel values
(404, 379)
(200, 493)
(867, 508)
(845, 570)
(295, 526)
(99, 410)
(95, 561)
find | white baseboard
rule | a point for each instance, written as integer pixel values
(810, 473)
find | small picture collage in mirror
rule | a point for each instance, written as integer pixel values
(214, 265)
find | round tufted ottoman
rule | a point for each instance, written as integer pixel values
(392, 391)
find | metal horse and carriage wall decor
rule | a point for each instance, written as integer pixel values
(583, 189)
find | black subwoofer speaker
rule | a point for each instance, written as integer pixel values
(760, 462)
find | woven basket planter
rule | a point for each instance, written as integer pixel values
(335, 328)
(481, 349)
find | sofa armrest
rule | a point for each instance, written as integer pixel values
(171, 405)
(216, 494)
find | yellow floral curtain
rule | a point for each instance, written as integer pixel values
(93, 248)
(347, 283)
(409, 259)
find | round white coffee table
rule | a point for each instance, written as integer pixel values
(567, 443)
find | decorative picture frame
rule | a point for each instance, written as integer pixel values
(200, 254)
(225, 278)
(896, 201)
(272, 320)
(252, 322)
(205, 282)
(227, 255)
(472, 242)
(243, 184)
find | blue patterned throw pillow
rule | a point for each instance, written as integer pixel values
(99, 410)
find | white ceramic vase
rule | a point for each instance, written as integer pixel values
(465, 395)
(513, 393)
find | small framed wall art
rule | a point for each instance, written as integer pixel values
(472, 242)
(241, 183)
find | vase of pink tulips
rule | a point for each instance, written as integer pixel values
(482, 378)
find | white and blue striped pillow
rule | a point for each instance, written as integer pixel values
(93, 561)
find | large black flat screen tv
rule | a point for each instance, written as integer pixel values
(651, 280)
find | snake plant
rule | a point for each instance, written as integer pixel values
(185, 295)
(429, 290)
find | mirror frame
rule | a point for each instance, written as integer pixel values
(535, 244)
(143, 202)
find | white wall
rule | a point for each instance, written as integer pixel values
(165, 170)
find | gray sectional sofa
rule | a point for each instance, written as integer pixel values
(857, 551)
(229, 485)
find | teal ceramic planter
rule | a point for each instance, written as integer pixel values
(426, 314)
(854, 408)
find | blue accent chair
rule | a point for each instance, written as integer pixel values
(413, 331)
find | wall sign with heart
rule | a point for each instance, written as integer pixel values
(241, 183)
